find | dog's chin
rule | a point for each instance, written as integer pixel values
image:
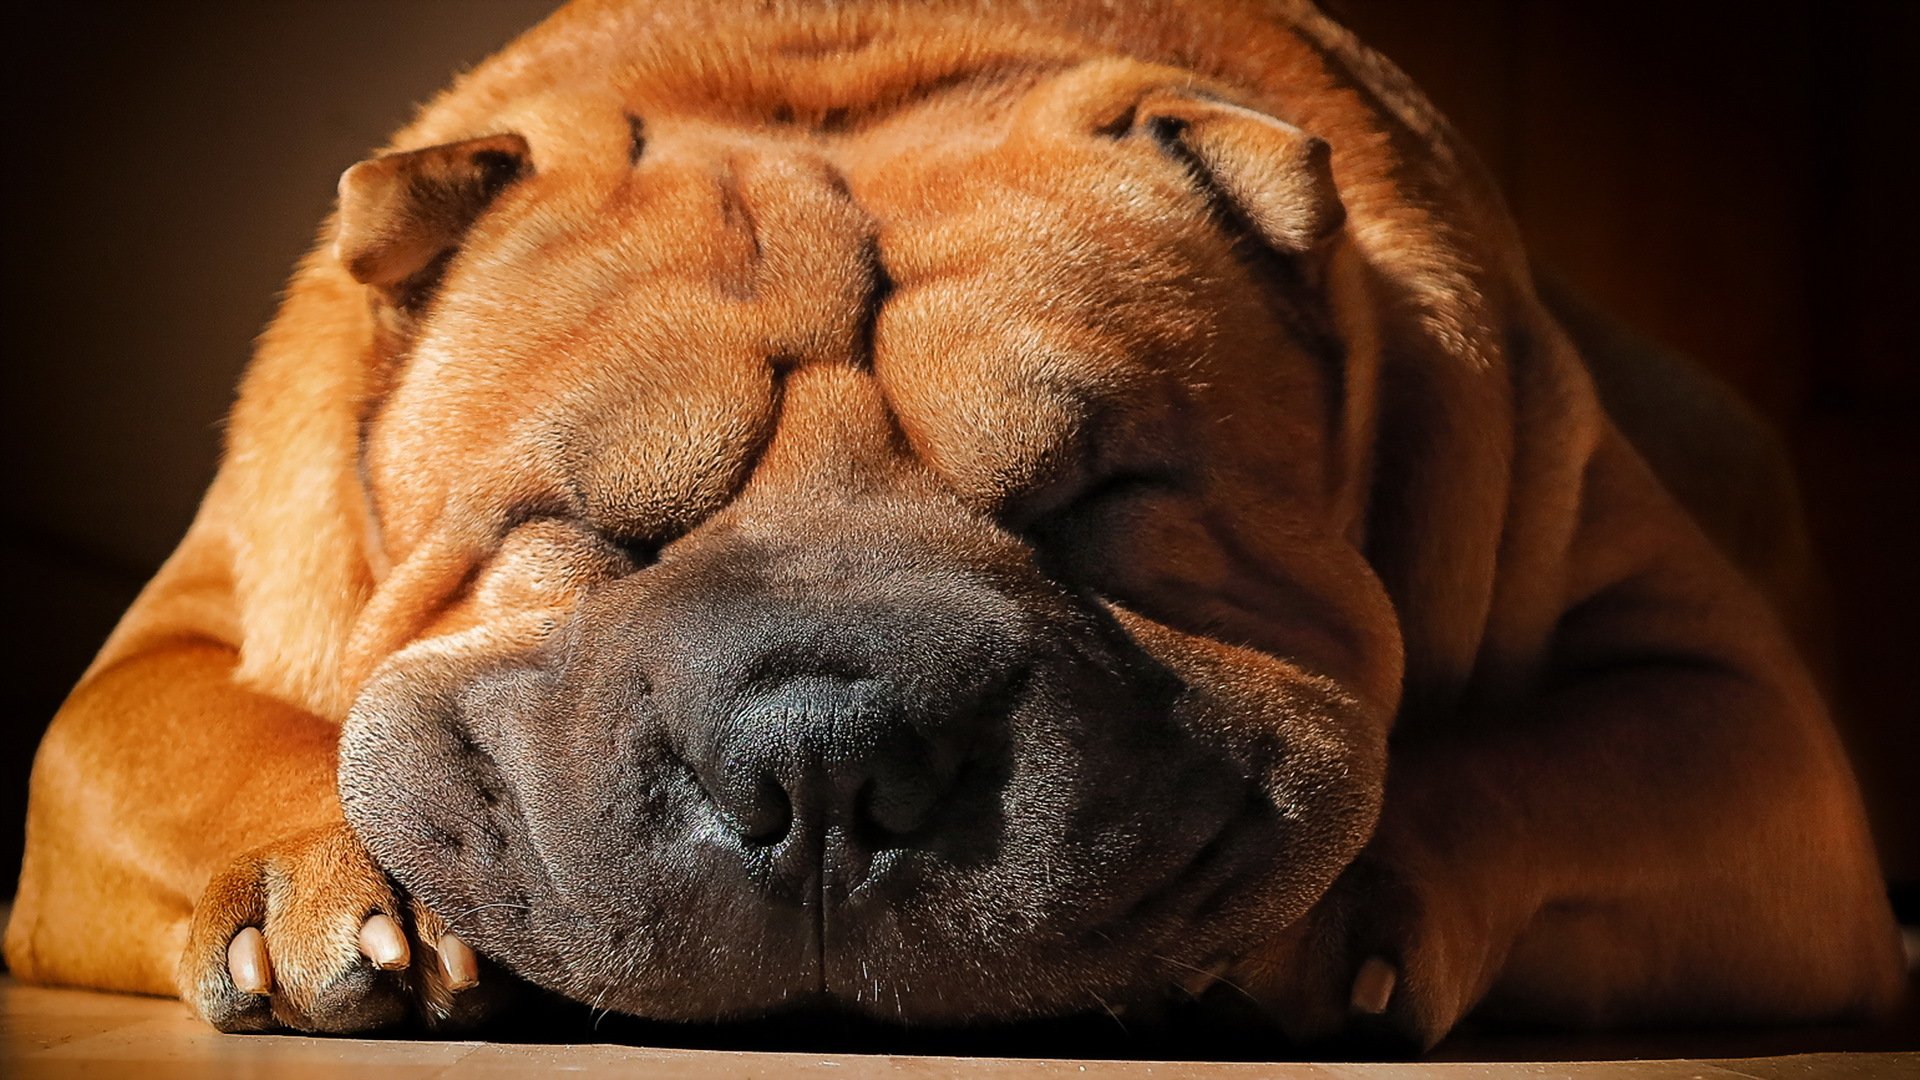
(1103, 854)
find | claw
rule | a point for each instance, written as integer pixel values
(457, 962)
(383, 943)
(247, 962)
(1373, 986)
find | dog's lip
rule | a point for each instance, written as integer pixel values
(1209, 869)
(1142, 941)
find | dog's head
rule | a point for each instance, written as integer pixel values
(902, 559)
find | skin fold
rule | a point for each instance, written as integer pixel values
(1112, 475)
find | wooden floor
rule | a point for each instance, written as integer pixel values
(61, 1033)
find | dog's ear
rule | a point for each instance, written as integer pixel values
(402, 216)
(1263, 174)
(1274, 176)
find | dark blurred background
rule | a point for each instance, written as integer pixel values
(1726, 179)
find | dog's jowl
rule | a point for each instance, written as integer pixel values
(949, 513)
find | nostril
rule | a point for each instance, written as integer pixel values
(765, 815)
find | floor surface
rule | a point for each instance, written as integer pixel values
(63, 1033)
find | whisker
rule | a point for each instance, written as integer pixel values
(1222, 979)
(594, 1010)
(452, 921)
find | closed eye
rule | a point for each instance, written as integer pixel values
(1064, 504)
(1123, 485)
(642, 552)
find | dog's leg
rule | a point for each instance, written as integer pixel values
(1637, 853)
(1663, 827)
(184, 836)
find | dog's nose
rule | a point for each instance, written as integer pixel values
(850, 758)
(831, 702)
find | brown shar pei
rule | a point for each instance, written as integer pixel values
(949, 513)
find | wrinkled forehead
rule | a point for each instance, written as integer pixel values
(616, 332)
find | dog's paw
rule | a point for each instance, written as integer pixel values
(1384, 965)
(309, 934)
